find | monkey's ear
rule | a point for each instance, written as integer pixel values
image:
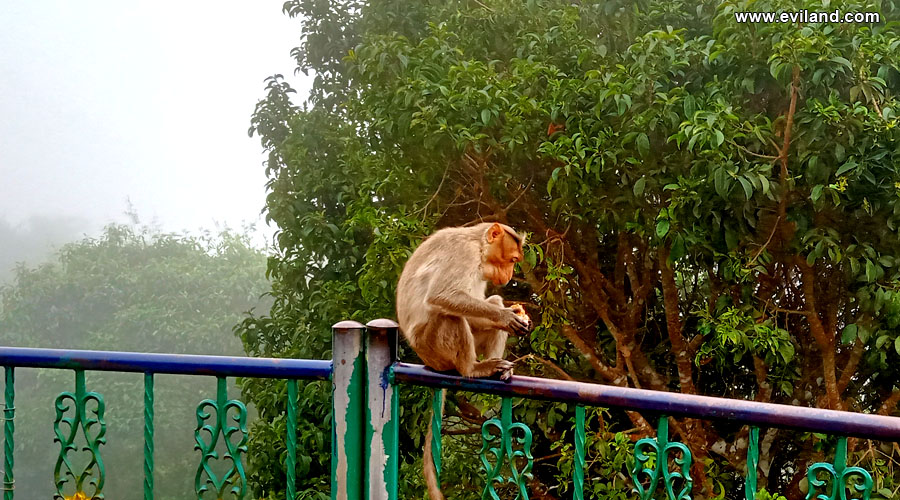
(494, 232)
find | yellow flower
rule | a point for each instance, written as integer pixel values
(79, 496)
(841, 185)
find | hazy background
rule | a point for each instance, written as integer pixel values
(116, 108)
(108, 103)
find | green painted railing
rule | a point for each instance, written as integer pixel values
(80, 425)
(365, 433)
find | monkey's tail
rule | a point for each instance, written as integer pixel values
(429, 471)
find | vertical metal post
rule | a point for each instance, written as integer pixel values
(840, 456)
(437, 414)
(148, 436)
(752, 464)
(348, 411)
(578, 473)
(291, 461)
(382, 411)
(9, 428)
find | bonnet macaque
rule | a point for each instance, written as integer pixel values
(443, 312)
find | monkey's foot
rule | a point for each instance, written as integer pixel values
(502, 368)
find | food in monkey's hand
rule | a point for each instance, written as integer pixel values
(522, 313)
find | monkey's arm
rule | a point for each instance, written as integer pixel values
(458, 303)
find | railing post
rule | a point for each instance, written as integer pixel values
(750, 480)
(437, 416)
(9, 428)
(348, 411)
(578, 473)
(148, 436)
(291, 459)
(382, 429)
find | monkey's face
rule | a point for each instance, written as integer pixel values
(503, 251)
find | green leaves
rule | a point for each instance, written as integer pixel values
(816, 192)
(639, 186)
(689, 106)
(656, 126)
(748, 189)
(720, 181)
(848, 335)
(846, 167)
(643, 144)
(132, 288)
(662, 228)
(842, 61)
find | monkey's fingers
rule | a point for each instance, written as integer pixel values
(521, 326)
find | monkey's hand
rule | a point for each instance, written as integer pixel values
(522, 313)
(514, 320)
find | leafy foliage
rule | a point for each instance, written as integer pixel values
(131, 289)
(713, 205)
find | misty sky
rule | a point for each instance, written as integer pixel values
(102, 102)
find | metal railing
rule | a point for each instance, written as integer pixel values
(88, 408)
(364, 373)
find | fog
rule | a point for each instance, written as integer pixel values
(107, 104)
(136, 113)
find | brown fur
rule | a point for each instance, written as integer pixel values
(443, 312)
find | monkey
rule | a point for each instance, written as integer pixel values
(443, 312)
(441, 304)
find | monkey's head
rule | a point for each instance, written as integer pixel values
(503, 250)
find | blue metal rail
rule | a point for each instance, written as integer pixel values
(179, 364)
(841, 423)
(218, 419)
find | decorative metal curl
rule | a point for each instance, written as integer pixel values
(838, 475)
(662, 449)
(504, 452)
(234, 480)
(93, 427)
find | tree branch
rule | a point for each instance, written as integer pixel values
(850, 367)
(611, 375)
(674, 326)
(546, 362)
(824, 339)
(890, 404)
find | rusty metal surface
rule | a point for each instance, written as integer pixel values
(669, 403)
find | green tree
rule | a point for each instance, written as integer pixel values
(713, 205)
(130, 289)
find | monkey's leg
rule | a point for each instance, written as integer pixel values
(435, 343)
(455, 332)
(490, 343)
